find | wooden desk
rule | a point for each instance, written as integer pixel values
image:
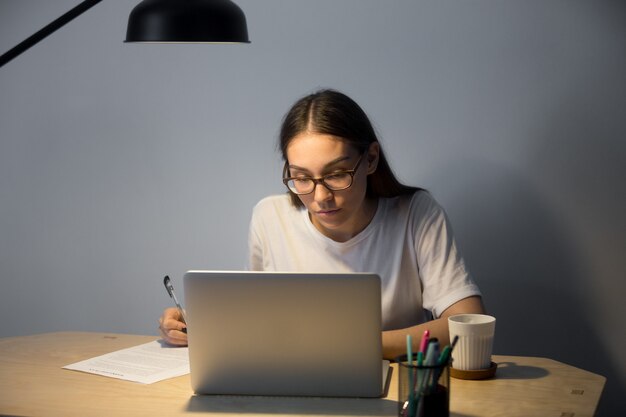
(32, 383)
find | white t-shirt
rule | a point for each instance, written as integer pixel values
(409, 244)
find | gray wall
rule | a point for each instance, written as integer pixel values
(121, 163)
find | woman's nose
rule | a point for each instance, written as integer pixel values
(321, 193)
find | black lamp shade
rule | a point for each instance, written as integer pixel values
(219, 21)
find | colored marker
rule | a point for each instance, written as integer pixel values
(424, 342)
(445, 354)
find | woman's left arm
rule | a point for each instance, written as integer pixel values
(394, 341)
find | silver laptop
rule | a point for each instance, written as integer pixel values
(293, 334)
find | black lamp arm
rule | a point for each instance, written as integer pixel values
(47, 30)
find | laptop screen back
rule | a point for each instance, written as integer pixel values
(265, 333)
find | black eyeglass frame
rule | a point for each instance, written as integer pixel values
(321, 180)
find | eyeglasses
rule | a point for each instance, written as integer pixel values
(337, 181)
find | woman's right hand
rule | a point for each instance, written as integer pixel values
(172, 325)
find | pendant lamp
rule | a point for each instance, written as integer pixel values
(182, 21)
(163, 21)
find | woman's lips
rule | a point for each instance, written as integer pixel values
(327, 213)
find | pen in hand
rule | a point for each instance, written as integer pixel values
(170, 290)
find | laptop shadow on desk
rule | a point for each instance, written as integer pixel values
(511, 370)
(239, 404)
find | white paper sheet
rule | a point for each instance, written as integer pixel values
(146, 364)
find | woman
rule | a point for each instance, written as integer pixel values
(346, 212)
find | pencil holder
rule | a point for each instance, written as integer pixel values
(423, 391)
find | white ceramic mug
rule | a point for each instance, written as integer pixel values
(475, 344)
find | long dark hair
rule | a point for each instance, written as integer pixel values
(333, 113)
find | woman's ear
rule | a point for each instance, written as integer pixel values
(373, 154)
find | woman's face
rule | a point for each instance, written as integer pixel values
(339, 215)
